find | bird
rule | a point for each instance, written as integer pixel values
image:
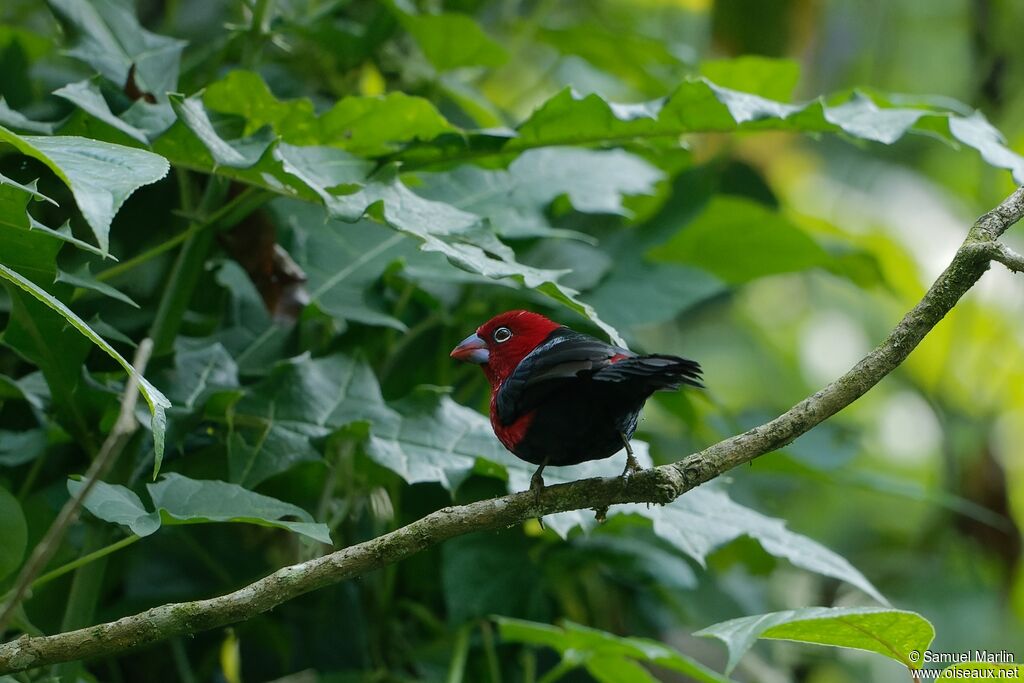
(561, 397)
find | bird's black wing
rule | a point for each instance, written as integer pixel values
(565, 356)
(652, 372)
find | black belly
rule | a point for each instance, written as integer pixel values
(575, 426)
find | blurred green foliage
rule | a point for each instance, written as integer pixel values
(355, 185)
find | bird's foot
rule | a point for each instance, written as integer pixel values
(632, 466)
(537, 484)
(537, 481)
(537, 487)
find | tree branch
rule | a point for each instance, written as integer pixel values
(657, 485)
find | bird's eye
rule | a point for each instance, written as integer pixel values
(502, 334)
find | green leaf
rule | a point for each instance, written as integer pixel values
(101, 175)
(698, 105)
(343, 261)
(222, 135)
(739, 240)
(638, 557)
(200, 368)
(890, 632)
(362, 125)
(975, 131)
(118, 505)
(638, 292)
(441, 227)
(451, 40)
(14, 119)
(109, 38)
(513, 201)
(86, 280)
(324, 169)
(300, 400)
(189, 501)
(432, 438)
(18, 448)
(157, 402)
(245, 94)
(14, 220)
(86, 96)
(30, 252)
(774, 79)
(706, 518)
(616, 669)
(505, 577)
(591, 647)
(372, 126)
(248, 333)
(42, 336)
(14, 532)
(31, 189)
(180, 500)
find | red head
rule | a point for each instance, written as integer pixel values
(500, 343)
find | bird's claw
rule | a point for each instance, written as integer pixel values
(632, 466)
(537, 484)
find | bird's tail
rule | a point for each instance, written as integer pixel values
(657, 371)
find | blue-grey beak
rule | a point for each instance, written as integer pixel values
(472, 349)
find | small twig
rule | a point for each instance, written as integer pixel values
(1008, 257)
(105, 459)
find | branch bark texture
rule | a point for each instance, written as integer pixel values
(659, 485)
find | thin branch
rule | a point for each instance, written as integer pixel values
(656, 485)
(1008, 257)
(109, 453)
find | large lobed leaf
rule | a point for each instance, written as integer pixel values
(180, 500)
(897, 634)
(110, 39)
(706, 518)
(361, 125)
(698, 105)
(101, 176)
(325, 156)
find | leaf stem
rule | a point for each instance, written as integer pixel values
(259, 29)
(181, 662)
(226, 216)
(563, 667)
(487, 634)
(83, 560)
(460, 652)
(31, 476)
